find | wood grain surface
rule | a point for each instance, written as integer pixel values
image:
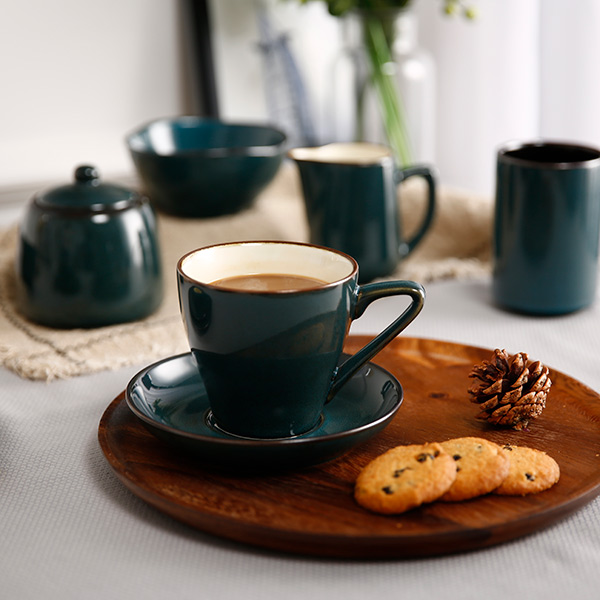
(312, 511)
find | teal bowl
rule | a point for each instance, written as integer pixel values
(196, 167)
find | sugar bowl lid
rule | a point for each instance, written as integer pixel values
(87, 194)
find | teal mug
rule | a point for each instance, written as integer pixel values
(351, 197)
(266, 323)
(546, 224)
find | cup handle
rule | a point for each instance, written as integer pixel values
(427, 174)
(366, 295)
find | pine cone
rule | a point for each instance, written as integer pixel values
(511, 390)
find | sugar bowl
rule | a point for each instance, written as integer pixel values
(88, 255)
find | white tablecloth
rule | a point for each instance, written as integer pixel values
(70, 530)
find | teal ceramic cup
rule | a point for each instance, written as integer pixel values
(546, 224)
(351, 197)
(270, 358)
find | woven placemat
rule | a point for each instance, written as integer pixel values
(457, 246)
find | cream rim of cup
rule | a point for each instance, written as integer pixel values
(213, 263)
(351, 153)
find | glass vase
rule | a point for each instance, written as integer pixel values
(358, 109)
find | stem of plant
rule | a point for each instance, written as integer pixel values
(391, 106)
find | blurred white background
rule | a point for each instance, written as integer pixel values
(76, 76)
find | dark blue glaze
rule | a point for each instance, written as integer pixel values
(354, 208)
(547, 217)
(170, 398)
(195, 167)
(89, 263)
(269, 360)
(292, 360)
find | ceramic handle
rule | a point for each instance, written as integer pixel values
(427, 174)
(366, 295)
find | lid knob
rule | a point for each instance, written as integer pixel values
(87, 194)
(86, 174)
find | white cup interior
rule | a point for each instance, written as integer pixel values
(354, 153)
(213, 263)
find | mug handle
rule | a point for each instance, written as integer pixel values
(366, 295)
(401, 175)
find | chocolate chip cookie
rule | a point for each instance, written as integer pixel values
(481, 466)
(531, 471)
(405, 477)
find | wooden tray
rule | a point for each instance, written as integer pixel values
(312, 511)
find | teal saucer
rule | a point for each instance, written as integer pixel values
(170, 400)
